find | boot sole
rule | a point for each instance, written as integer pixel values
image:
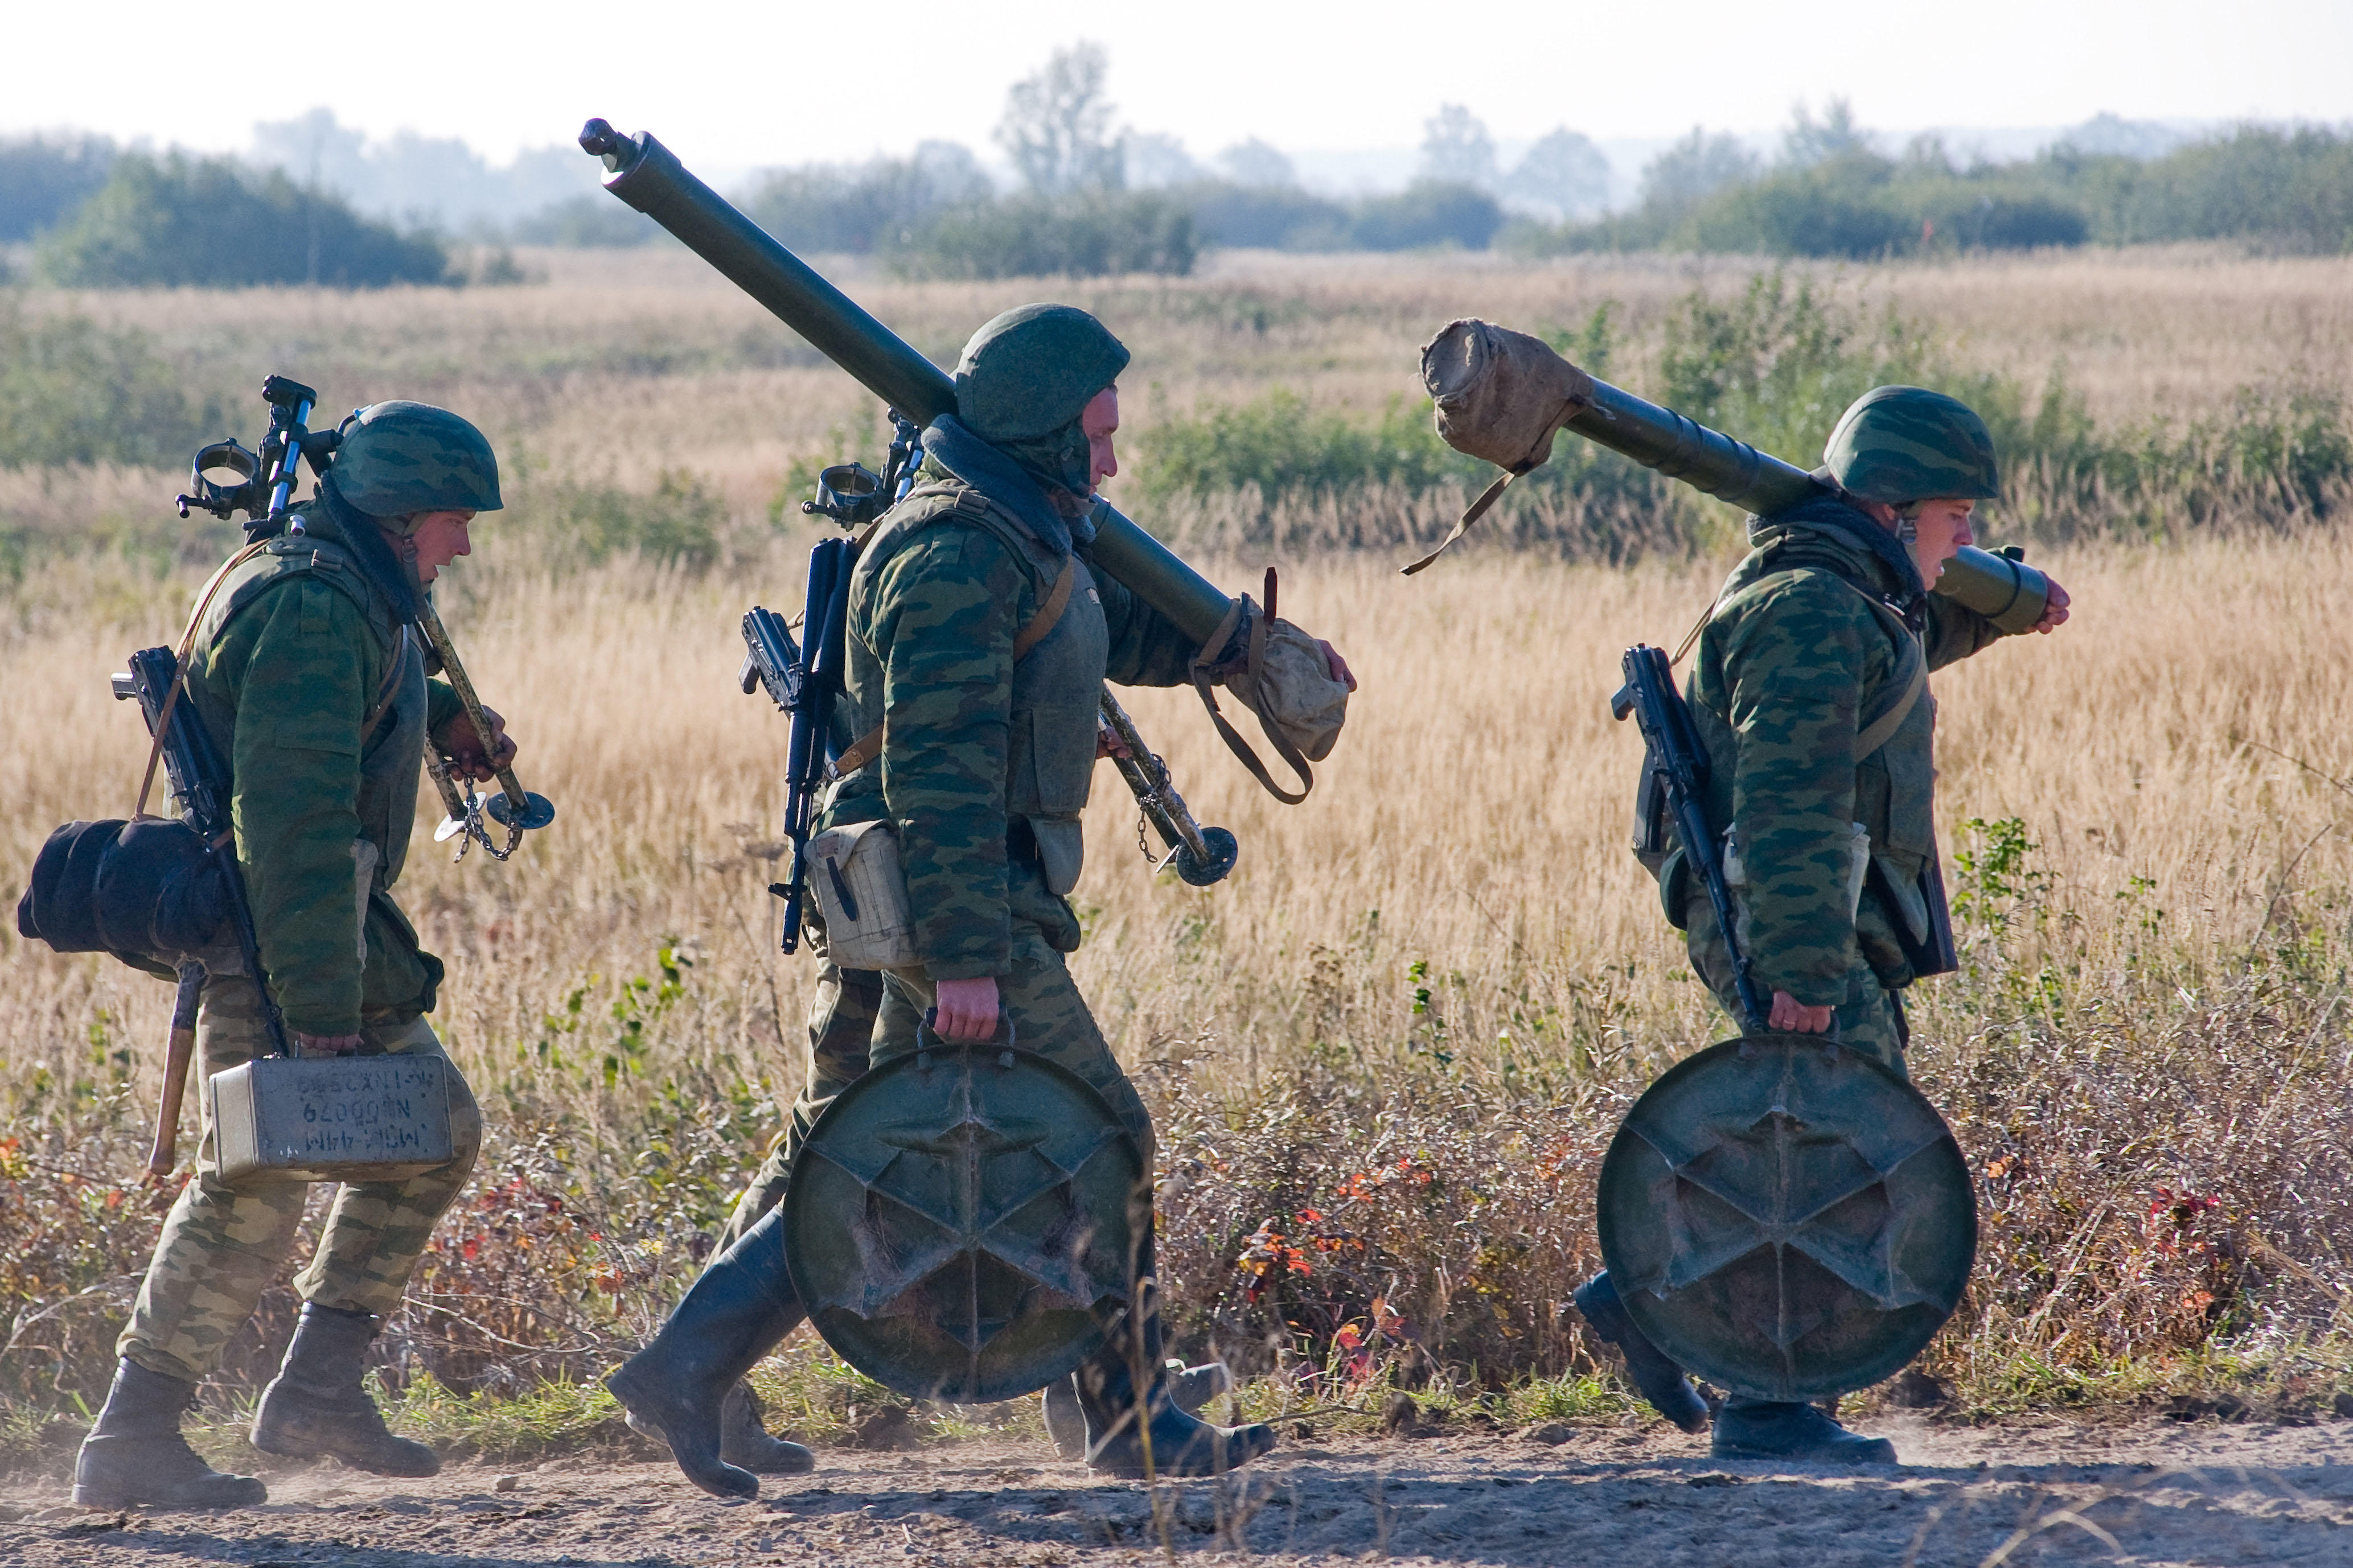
(1878, 1451)
(108, 1501)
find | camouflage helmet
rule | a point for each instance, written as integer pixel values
(398, 458)
(1033, 370)
(1900, 445)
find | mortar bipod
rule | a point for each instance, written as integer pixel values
(1201, 855)
(515, 808)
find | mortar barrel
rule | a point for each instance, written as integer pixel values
(2002, 588)
(648, 176)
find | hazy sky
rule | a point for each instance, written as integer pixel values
(735, 83)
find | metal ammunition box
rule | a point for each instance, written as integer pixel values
(330, 1118)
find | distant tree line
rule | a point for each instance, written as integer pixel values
(1832, 194)
(1096, 201)
(102, 218)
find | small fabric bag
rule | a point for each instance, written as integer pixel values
(1501, 396)
(862, 896)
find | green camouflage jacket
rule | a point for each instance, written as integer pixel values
(1804, 650)
(985, 764)
(300, 648)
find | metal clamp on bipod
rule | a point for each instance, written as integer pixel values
(850, 494)
(1201, 856)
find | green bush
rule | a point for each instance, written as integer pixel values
(585, 222)
(1427, 213)
(678, 523)
(1269, 217)
(72, 391)
(1089, 235)
(875, 206)
(1281, 444)
(178, 221)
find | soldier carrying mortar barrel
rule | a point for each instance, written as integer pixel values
(970, 1218)
(1797, 1216)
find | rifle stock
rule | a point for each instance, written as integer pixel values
(1676, 764)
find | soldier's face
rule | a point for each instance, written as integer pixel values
(439, 538)
(1944, 528)
(1100, 421)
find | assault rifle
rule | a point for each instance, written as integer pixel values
(1675, 783)
(805, 680)
(200, 783)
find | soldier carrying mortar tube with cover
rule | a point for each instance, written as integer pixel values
(304, 667)
(1808, 694)
(979, 741)
(1793, 1216)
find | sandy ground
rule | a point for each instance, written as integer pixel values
(2144, 1493)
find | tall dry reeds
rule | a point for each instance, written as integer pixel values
(1388, 1050)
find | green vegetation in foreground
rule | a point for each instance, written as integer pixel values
(817, 1399)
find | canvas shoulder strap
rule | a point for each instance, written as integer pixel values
(1882, 729)
(971, 504)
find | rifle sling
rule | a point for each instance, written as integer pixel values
(180, 671)
(868, 746)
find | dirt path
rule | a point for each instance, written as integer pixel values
(2143, 1494)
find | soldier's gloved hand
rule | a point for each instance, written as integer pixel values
(1795, 1017)
(462, 744)
(2054, 609)
(326, 1045)
(967, 1008)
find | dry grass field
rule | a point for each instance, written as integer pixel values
(1416, 1008)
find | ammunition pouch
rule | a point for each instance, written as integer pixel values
(861, 896)
(147, 891)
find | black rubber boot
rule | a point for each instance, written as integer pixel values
(135, 1456)
(743, 1440)
(1152, 1434)
(316, 1404)
(740, 1309)
(1662, 1382)
(1764, 1429)
(1190, 1386)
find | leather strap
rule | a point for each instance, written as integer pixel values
(1050, 614)
(868, 746)
(1882, 730)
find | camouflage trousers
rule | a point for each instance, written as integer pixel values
(1868, 1018)
(840, 1032)
(222, 1244)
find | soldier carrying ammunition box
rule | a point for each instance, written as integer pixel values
(303, 665)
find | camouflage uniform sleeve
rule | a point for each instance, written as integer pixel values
(940, 621)
(1146, 649)
(1797, 660)
(1954, 632)
(298, 667)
